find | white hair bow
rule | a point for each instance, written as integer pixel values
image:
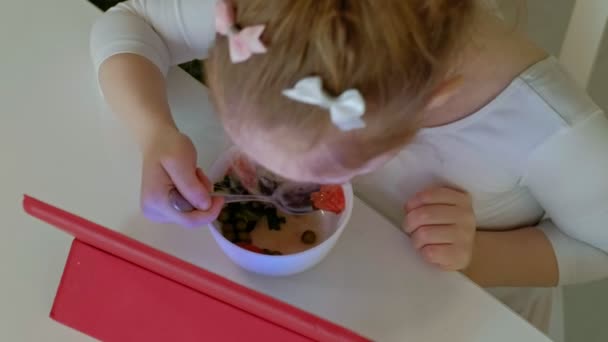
(346, 110)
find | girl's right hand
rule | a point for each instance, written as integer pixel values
(169, 161)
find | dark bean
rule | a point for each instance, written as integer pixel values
(309, 237)
(227, 227)
(276, 253)
(244, 237)
(230, 236)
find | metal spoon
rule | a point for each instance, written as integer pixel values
(290, 198)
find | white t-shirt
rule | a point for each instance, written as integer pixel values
(538, 152)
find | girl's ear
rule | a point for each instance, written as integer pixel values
(444, 92)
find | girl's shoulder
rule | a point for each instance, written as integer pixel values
(167, 32)
(549, 82)
(539, 102)
(540, 105)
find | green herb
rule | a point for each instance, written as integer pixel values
(248, 215)
(224, 216)
(251, 226)
(223, 185)
(274, 221)
(241, 225)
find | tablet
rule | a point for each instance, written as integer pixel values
(115, 288)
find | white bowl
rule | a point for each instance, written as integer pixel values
(276, 265)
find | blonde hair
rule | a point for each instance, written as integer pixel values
(395, 52)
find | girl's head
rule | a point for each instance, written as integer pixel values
(396, 53)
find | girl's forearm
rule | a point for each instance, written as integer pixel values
(517, 258)
(135, 90)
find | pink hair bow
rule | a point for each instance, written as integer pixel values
(242, 43)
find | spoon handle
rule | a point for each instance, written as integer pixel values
(179, 203)
(231, 198)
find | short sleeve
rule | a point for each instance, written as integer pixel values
(166, 32)
(568, 175)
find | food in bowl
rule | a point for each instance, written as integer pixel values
(260, 227)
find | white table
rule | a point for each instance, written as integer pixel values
(59, 143)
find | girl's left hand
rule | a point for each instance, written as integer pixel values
(441, 224)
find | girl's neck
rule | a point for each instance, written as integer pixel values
(494, 56)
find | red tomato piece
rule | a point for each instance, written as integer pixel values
(329, 198)
(250, 247)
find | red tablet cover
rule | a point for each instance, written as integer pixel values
(115, 288)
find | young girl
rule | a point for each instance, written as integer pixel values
(455, 127)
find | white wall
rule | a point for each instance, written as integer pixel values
(598, 86)
(546, 21)
(586, 306)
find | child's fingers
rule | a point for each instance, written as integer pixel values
(197, 218)
(433, 235)
(189, 184)
(154, 215)
(431, 215)
(204, 179)
(448, 257)
(440, 255)
(159, 209)
(440, 195)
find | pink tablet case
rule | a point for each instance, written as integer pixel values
(115, 288)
